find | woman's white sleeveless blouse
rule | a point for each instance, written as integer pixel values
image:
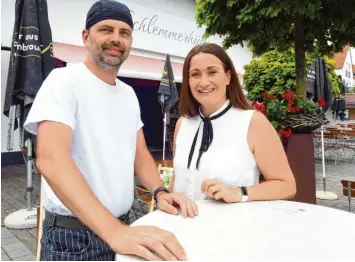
(228, 158)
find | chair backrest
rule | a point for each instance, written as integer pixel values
(346, 184)
(349, 132)
(166, 170)
(165, 163)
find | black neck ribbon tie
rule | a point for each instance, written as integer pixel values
(207, 136)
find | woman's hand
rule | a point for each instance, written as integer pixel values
(219, 190)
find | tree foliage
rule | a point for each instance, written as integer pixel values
(274, 72)
(327, 25)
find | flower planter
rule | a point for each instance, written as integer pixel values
(299, 149)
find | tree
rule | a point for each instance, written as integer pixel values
(305, 25)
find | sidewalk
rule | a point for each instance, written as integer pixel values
(12, 247)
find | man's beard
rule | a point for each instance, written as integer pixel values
(103, 61)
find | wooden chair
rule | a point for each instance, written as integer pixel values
(161, 165)
(348, 190)
(142, 195)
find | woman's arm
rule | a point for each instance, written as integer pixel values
(271, 159)
(177, 128)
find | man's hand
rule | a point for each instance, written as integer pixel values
(169, 201)
(149, 242)
(218, 190)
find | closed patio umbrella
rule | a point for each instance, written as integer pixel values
(31, 60)
(318, 86)
(167, 94)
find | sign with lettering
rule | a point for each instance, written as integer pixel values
(150, 25)
(164, 32)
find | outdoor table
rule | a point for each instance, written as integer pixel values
(259, 231)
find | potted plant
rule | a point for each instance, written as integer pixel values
(271, 83)
(290, 114)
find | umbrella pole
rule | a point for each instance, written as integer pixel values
(27, 217)
(164, 139)
(29, 188)
(323, 158)
(324, 194)
(10, 132)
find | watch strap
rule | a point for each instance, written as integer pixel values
(244, 194)
(158, 190)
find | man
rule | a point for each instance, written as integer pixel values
(89, 145)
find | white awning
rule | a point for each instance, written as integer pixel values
(134, 67)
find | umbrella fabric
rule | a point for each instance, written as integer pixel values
(31, 58)
(311, 81)
(338, 108)
(318, 85)
(342, 88)
(167, 93)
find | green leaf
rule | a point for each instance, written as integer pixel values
(275, 124)
(230, 3)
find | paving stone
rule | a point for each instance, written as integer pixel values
(5, 205)
(17, 204)
(4, 256)
(13, 246)
(26, 258)
(4, 194)
(19, 253)
(9, 240)
(33, 232)
(26, 238)
(5, 233)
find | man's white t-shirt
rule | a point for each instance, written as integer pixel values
(105, 120)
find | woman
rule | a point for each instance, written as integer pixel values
(221, 144)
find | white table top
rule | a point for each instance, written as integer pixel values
(260, 231)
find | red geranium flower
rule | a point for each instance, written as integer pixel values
(285, 132)
(321, 102)
(267, 96)
(260, 107)
(288, 95)
(289, 106)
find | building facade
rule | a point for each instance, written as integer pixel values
(345, 67)
(160, 27)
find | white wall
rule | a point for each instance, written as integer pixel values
(349, 61)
